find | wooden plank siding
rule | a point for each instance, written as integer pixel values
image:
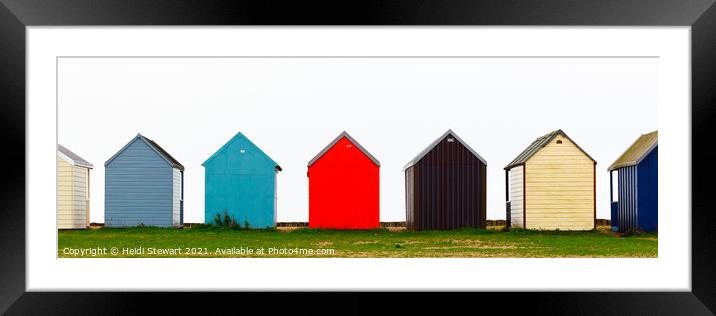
(559, 188)
(628, 199)
(410, 198)
(81, 194)
(72, 195)
(516, 177)
(176, 196)
(138, 188)
(446, 187)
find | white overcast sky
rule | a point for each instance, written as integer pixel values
(292, 108)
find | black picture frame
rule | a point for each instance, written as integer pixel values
(700, 15)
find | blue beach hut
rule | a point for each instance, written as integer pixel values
(636, 205)
(241, 180)
(144, 185)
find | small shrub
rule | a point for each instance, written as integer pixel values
(224, 220)
(217, 219)
(227, 220)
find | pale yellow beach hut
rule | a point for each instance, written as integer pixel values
(73, 183)
(551, 185)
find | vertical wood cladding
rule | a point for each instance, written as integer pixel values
(446, 189)
(637, 203)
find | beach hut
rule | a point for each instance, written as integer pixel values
(636, 205)
(445, 186)
(552, 185)
(240, 179)
(343, 184)
(73, 190)
(144, 185)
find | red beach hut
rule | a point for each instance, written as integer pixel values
(343, 185)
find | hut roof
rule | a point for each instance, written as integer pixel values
(236, 137)
(436, 142)
(538, 144)
(163, 153)
(637, 151)
(74, 158)
(346, 135)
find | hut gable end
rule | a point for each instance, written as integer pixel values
(344, 139)
(241, 156)
(448, 140)
(158, 151)
(135, 151)
(142, 186)
(445, 146)
(540, 143)
(559, 150)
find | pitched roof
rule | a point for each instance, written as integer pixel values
(637, 151)
(238, 136)
(75, 159)
(162, 153)
(343, 134)
(435, 143)
(538, 144)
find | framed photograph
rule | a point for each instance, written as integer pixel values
(397, 147)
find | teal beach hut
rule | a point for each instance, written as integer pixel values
(240, 179)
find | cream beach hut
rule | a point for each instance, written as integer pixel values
(73, 189)
(551, 185)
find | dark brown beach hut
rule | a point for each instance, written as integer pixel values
(445, 186)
